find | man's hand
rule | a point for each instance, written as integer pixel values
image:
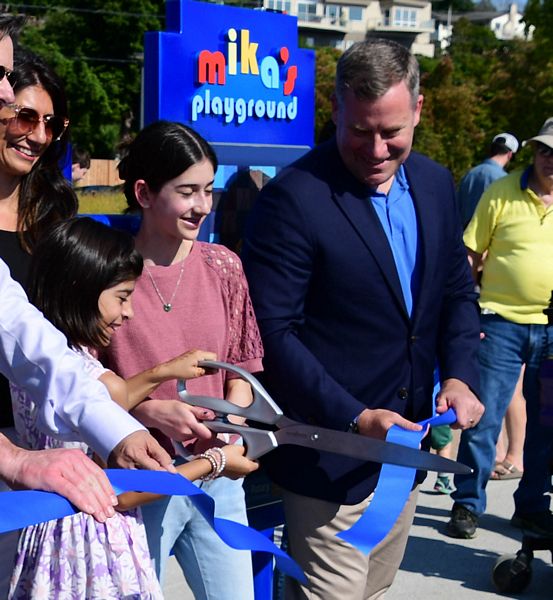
(376, 422)
(68, 472)
(140, 450)
(457, 395)
(174, 418)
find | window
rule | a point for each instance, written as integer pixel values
(355, 13)
(280, 5)
(307, 12)
(405, 17)
(332, 11)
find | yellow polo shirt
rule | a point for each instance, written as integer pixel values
(516, 229)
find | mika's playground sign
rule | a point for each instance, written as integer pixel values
(234, 74)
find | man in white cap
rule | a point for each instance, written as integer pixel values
(473, 184)
(513, 223)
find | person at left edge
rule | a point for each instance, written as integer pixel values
(35, 355)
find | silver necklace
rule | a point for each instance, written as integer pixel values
(167, 306)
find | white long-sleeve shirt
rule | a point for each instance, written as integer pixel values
(35, 356)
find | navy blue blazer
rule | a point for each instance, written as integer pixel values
(332, 316)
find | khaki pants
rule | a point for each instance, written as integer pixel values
(335, 569)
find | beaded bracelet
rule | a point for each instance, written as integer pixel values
(213, 464)
(217, 460)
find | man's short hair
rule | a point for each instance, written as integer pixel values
(81, 156)
(370, 68)
(10, 25)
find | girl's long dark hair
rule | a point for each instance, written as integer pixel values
(159, 153)
(73, 263)
(45, 196)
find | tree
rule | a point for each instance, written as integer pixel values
(485, 6)
(457, 6)
(96, 46)
(325, 69)
(540, 14)
(450, 130)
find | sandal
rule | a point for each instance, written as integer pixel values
(505, 470)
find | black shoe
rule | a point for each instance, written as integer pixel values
(463, 523)
(540, 523)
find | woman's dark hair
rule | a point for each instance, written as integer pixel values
(10, 25)
(45, 196)
(159, 153)
(73, 263)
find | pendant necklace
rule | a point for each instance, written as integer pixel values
(167, 306)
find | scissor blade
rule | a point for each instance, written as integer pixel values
(366, 448)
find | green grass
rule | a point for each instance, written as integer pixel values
(94, 203)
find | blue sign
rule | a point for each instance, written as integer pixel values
(234, 74)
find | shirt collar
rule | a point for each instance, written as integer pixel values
(399, 185)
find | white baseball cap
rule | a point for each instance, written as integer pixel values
(508, 140)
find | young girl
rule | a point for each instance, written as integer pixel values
(191, 294)
(82, 277)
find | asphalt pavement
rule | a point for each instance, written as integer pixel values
(436, 566)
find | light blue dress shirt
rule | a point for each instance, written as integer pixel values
(397, 215)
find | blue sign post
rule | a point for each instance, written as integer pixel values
(237, 76)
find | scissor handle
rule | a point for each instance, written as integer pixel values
(263, 408)
(257, 441)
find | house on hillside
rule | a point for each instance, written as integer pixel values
(506, 25)
(340, 23)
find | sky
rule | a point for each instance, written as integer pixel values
(504, 4)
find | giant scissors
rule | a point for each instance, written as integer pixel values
(264, 410)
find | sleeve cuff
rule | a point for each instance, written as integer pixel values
(96, 433)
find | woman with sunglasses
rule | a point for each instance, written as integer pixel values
(33, 191)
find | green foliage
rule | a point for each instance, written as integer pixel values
(452, 115)
(472, 49)
(540, 14)
(326, 59)
(102, 203)
(96, 47)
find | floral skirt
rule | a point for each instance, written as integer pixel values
(77, 558)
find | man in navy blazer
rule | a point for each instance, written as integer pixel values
(361, 284)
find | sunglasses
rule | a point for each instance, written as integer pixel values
(26, 120)
(5, 72)
(544, 150)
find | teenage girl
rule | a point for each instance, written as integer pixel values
(191, 295)
(82, 278)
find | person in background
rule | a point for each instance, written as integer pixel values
(191, 294)
(80, 163)
(441, 440)
(360, 284)
(502, 149)
(513, 224)
(471, 187)
(510, 444)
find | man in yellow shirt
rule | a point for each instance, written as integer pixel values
(513, 222)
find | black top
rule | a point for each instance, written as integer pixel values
(19, 262)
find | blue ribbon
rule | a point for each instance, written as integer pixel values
(392, 491)
(29, 507)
